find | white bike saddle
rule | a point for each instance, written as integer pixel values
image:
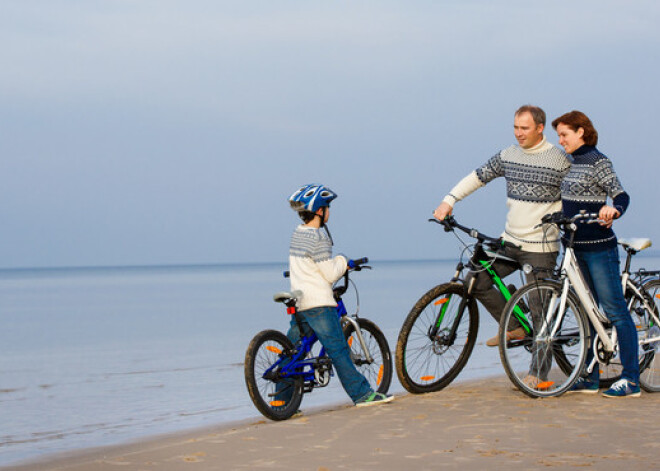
(636, 243)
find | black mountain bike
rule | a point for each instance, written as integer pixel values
(437, 337)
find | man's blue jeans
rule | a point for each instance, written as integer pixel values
(324, 321)
(602, 272)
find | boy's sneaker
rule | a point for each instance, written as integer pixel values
(584, 385)
(374, 398)
(623, 388)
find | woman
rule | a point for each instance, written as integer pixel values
(588, 184)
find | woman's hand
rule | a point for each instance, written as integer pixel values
(608, 214)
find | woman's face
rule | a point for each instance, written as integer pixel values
(570, 140)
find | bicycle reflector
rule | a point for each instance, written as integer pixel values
(440, 301)
(544, 385)
(270, 348)
(291, 310)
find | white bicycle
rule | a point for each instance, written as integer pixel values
(550, 359)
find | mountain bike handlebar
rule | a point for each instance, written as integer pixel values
(450, 224)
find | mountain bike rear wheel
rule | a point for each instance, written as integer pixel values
(649, 367)
(544, 363)
(275, 398)
(428, 361)
(379, 371)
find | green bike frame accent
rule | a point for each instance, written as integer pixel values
(507, 294)
(443, 310)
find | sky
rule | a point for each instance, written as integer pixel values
(151, 132)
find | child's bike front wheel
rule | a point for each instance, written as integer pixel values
(378, 369)
(274, 397)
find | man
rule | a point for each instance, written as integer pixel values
(533, 170)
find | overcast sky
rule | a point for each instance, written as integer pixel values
(170, 132)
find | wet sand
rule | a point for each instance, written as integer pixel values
(479, 425)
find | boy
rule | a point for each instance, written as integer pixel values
(313, 271)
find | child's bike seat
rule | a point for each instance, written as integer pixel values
(284, 296)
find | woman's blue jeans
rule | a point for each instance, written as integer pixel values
(324, 321)
(601, 270)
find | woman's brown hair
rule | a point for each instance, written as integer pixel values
(576, 120)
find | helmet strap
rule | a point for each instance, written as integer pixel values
(324, 225)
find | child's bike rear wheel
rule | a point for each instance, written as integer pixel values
(379, 371)
(276, 398)
(427, 357)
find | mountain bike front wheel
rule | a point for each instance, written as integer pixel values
(647, 329)
(378, 371)
(275, 398)
(436, 339)
(550, 358)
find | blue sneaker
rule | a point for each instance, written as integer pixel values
(584, 385)
(374, 398)
(623, 388)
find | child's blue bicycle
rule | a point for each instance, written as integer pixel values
(278, 373)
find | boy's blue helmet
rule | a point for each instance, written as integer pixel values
(311, 197)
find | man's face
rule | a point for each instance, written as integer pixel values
(527, 132)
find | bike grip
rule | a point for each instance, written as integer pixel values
(286, 274)
(358, 262)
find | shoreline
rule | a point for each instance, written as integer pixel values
(474, 425)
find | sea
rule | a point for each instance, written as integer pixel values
(93, 357)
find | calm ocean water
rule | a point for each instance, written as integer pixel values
(94, 357)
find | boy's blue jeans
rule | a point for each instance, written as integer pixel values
(602, 272)
(324, 321)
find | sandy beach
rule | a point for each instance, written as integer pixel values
(479, 425)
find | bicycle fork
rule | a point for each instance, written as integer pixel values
(444, 303)
(363, 344)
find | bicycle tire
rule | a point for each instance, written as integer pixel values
(649, 368)
(424, 364)
(264, 350)
(379, 371)
(528, 362)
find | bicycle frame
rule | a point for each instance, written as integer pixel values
(298, 364)
(481, 259)
(572, 278)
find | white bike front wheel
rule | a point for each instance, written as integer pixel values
(550, 357)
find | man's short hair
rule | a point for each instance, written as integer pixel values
(537, 113)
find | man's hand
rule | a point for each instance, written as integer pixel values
(442, 211)
(608, 214)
